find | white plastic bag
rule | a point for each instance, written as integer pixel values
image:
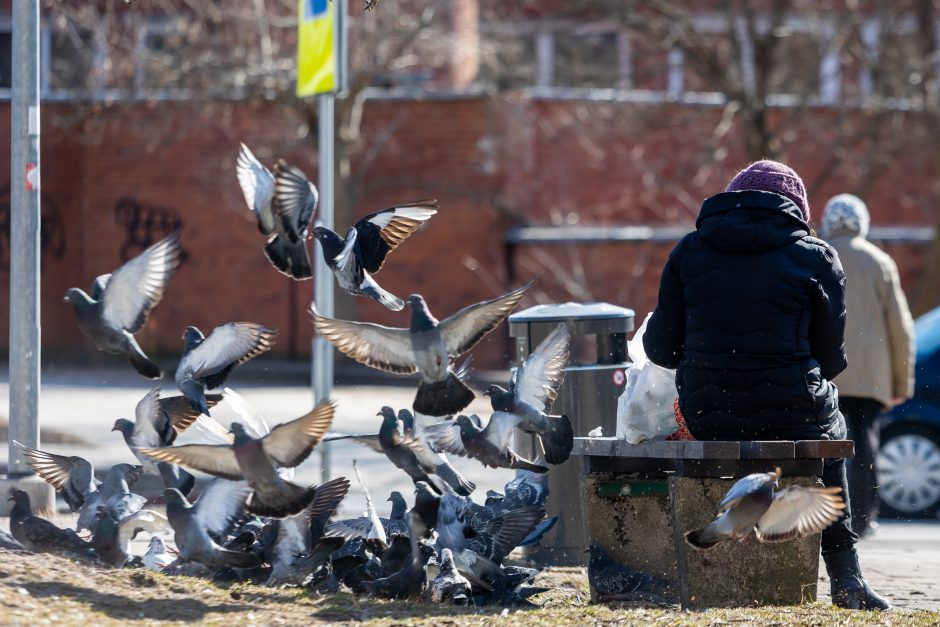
(645, 409)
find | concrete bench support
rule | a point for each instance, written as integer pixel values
(640, 500)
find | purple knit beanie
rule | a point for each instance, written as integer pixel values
(772, 176)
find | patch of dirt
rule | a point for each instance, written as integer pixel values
(47, 589)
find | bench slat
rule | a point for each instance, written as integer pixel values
(767, 449)
(824, 449)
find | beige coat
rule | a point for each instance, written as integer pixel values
(879, 331)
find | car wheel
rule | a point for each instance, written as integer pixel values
(909, 472)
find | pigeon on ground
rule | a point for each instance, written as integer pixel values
(753, 504)
(393, 558)
(38, 534)
(614, 582)
(72, 476)
(157, 558)
(361, 527)
(284, 203)
(175, 477)
(401, 445)
(449, 586)
(355, 563)
(411, 581)
(207, 361)
(427, 346)
(490, 445)
(296, 551)
(366, 246)
(215, 512)
(257, 460)
(532, 390)
(120, 303)
(423, 516)
(112, 539)
(495, 539)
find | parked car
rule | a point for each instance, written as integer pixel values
(909, 458)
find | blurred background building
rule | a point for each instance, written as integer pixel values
(574, 141)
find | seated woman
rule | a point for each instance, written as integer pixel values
(751, 314)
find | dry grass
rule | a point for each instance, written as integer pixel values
(43, 589)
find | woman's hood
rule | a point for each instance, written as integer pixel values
(845, 214)
(750, 222)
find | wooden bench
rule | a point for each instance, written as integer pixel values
(640, 499)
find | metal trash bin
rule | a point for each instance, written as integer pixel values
(588, 397)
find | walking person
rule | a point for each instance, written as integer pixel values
(751, 314)
(879, 344)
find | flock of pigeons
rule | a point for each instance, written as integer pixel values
(252, 521)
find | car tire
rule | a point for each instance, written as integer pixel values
(909, 471)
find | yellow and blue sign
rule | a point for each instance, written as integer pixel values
(316, 59)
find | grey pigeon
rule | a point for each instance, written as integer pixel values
(613, 582)
(257, 460)
(157, 558)
(120, 303)
(70, 475)
(489, 445)
(532, 390)
(526, 488)
(214, 513)
(409, 582)
(112, 538)
(38, 534)
(296, 551)
(449, 586)
(427, 347)
(284, 203)
(175, 477)
(354, 259)
(753, 504)
(495, 539)
(208, 361)
(361, 527)
(116, 495)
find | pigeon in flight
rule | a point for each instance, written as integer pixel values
(449, 585)
(120, 303)
(256, 460)
(753, 504)
(490, 445)
(613, 582)
(284, 203)
(532, 390)
(495, 539)
(207, 361)
(72, 476)
(215, 512)
(38, 534)
(427, 346)
(355, 259)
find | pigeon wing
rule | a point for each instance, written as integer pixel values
(144, 520)
(257, 185)
(464, 329)
(215, 459)
(366, 439)
(181, 412)
(797, 512)
(98, 287)
(381, 232)
(250, 417)
(325, 501)
(500, 429)
(445, 437)
(350, 528)
(152, 429)
(221, 504)
(290, 443)
(56, 470)
(229, 345)
(377, 346)
(539, 378)
(743, 487)
(295, 199)
(136, 287)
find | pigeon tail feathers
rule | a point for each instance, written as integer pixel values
(288, 500)
(386, 299)
(300, 261)
(558, 440)
(278, 252)
(144, 366)
(704, 538)
(455, 480)
(535, 536)
(442, 398)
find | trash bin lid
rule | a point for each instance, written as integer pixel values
(586, 318)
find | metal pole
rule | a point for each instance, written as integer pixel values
(322, 352)
(24, 235)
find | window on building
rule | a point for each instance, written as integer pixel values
(898, 70)
(586, 60)
(161, 61)
(6, 59)
(72, 53)
(507, 60)
(794, 68)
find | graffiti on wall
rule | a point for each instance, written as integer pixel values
(51, 228)
(144, 225)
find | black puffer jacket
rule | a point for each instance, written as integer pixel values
(751, 313)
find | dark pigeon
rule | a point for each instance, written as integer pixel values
(105, 540)
(284, 203)
(393, 558)
(355, 563)
(614, 582)
(753, 504)
(423, 516)
(257, 461)
(532, 390)
(361, 254)
(38, 534)
(208, 361)
(449, 586)
(489, 445)
(120, 303)
(427, 347)
(411, 581)
(214, 514)
(494, 540)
